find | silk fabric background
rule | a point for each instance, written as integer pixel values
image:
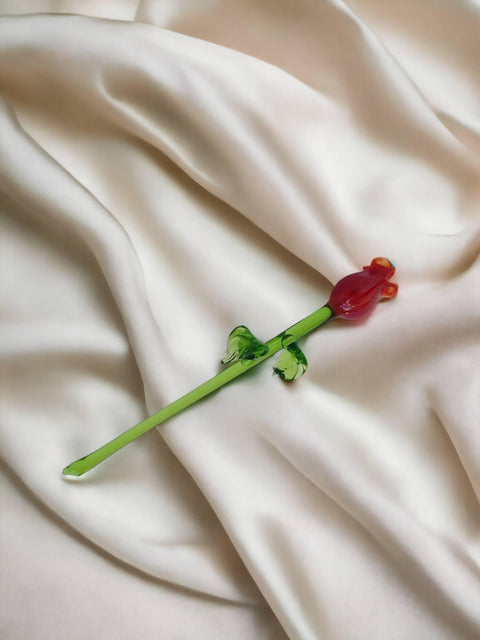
(170, 169)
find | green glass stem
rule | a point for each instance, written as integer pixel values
(279, 342)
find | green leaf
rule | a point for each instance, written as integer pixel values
(291, 363)
(243, 345)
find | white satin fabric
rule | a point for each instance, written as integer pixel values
(169, 170)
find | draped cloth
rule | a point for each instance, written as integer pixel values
(169, 170)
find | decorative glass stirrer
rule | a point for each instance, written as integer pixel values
(352, 297)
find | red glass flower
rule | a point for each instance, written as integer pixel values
(355, 295)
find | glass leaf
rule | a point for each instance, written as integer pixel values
(291, 363)
(243, 345)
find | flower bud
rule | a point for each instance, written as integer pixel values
(356, 295)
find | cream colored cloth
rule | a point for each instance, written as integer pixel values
(169, 170)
